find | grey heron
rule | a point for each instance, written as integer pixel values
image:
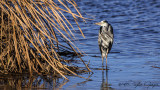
(105, 39)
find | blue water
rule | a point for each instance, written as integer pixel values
(136, 50)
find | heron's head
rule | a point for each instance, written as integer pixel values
(102, 23)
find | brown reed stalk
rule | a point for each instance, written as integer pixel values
(31, 31)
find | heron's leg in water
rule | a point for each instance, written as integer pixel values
(106, 57)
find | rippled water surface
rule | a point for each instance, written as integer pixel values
(134, 61)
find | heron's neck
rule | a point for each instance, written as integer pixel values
(104, 28)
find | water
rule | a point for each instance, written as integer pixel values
(134, 60)
(136, 48)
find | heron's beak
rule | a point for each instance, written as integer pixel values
(99, 23)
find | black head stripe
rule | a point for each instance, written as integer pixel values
(100, 30)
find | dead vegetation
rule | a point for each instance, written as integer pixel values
(32, 32)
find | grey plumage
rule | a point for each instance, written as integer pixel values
(105, 38)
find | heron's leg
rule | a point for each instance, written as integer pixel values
(106, 57)
(102, 62)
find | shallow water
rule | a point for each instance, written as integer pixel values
(136, 51)
(134, 60)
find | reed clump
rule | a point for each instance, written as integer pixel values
(33, 32)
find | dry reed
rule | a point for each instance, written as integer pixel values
(30, 35)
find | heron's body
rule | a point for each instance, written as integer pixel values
(105, 39)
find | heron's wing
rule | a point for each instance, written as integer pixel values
(105, 40)
(108, 35)
(100, 42)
